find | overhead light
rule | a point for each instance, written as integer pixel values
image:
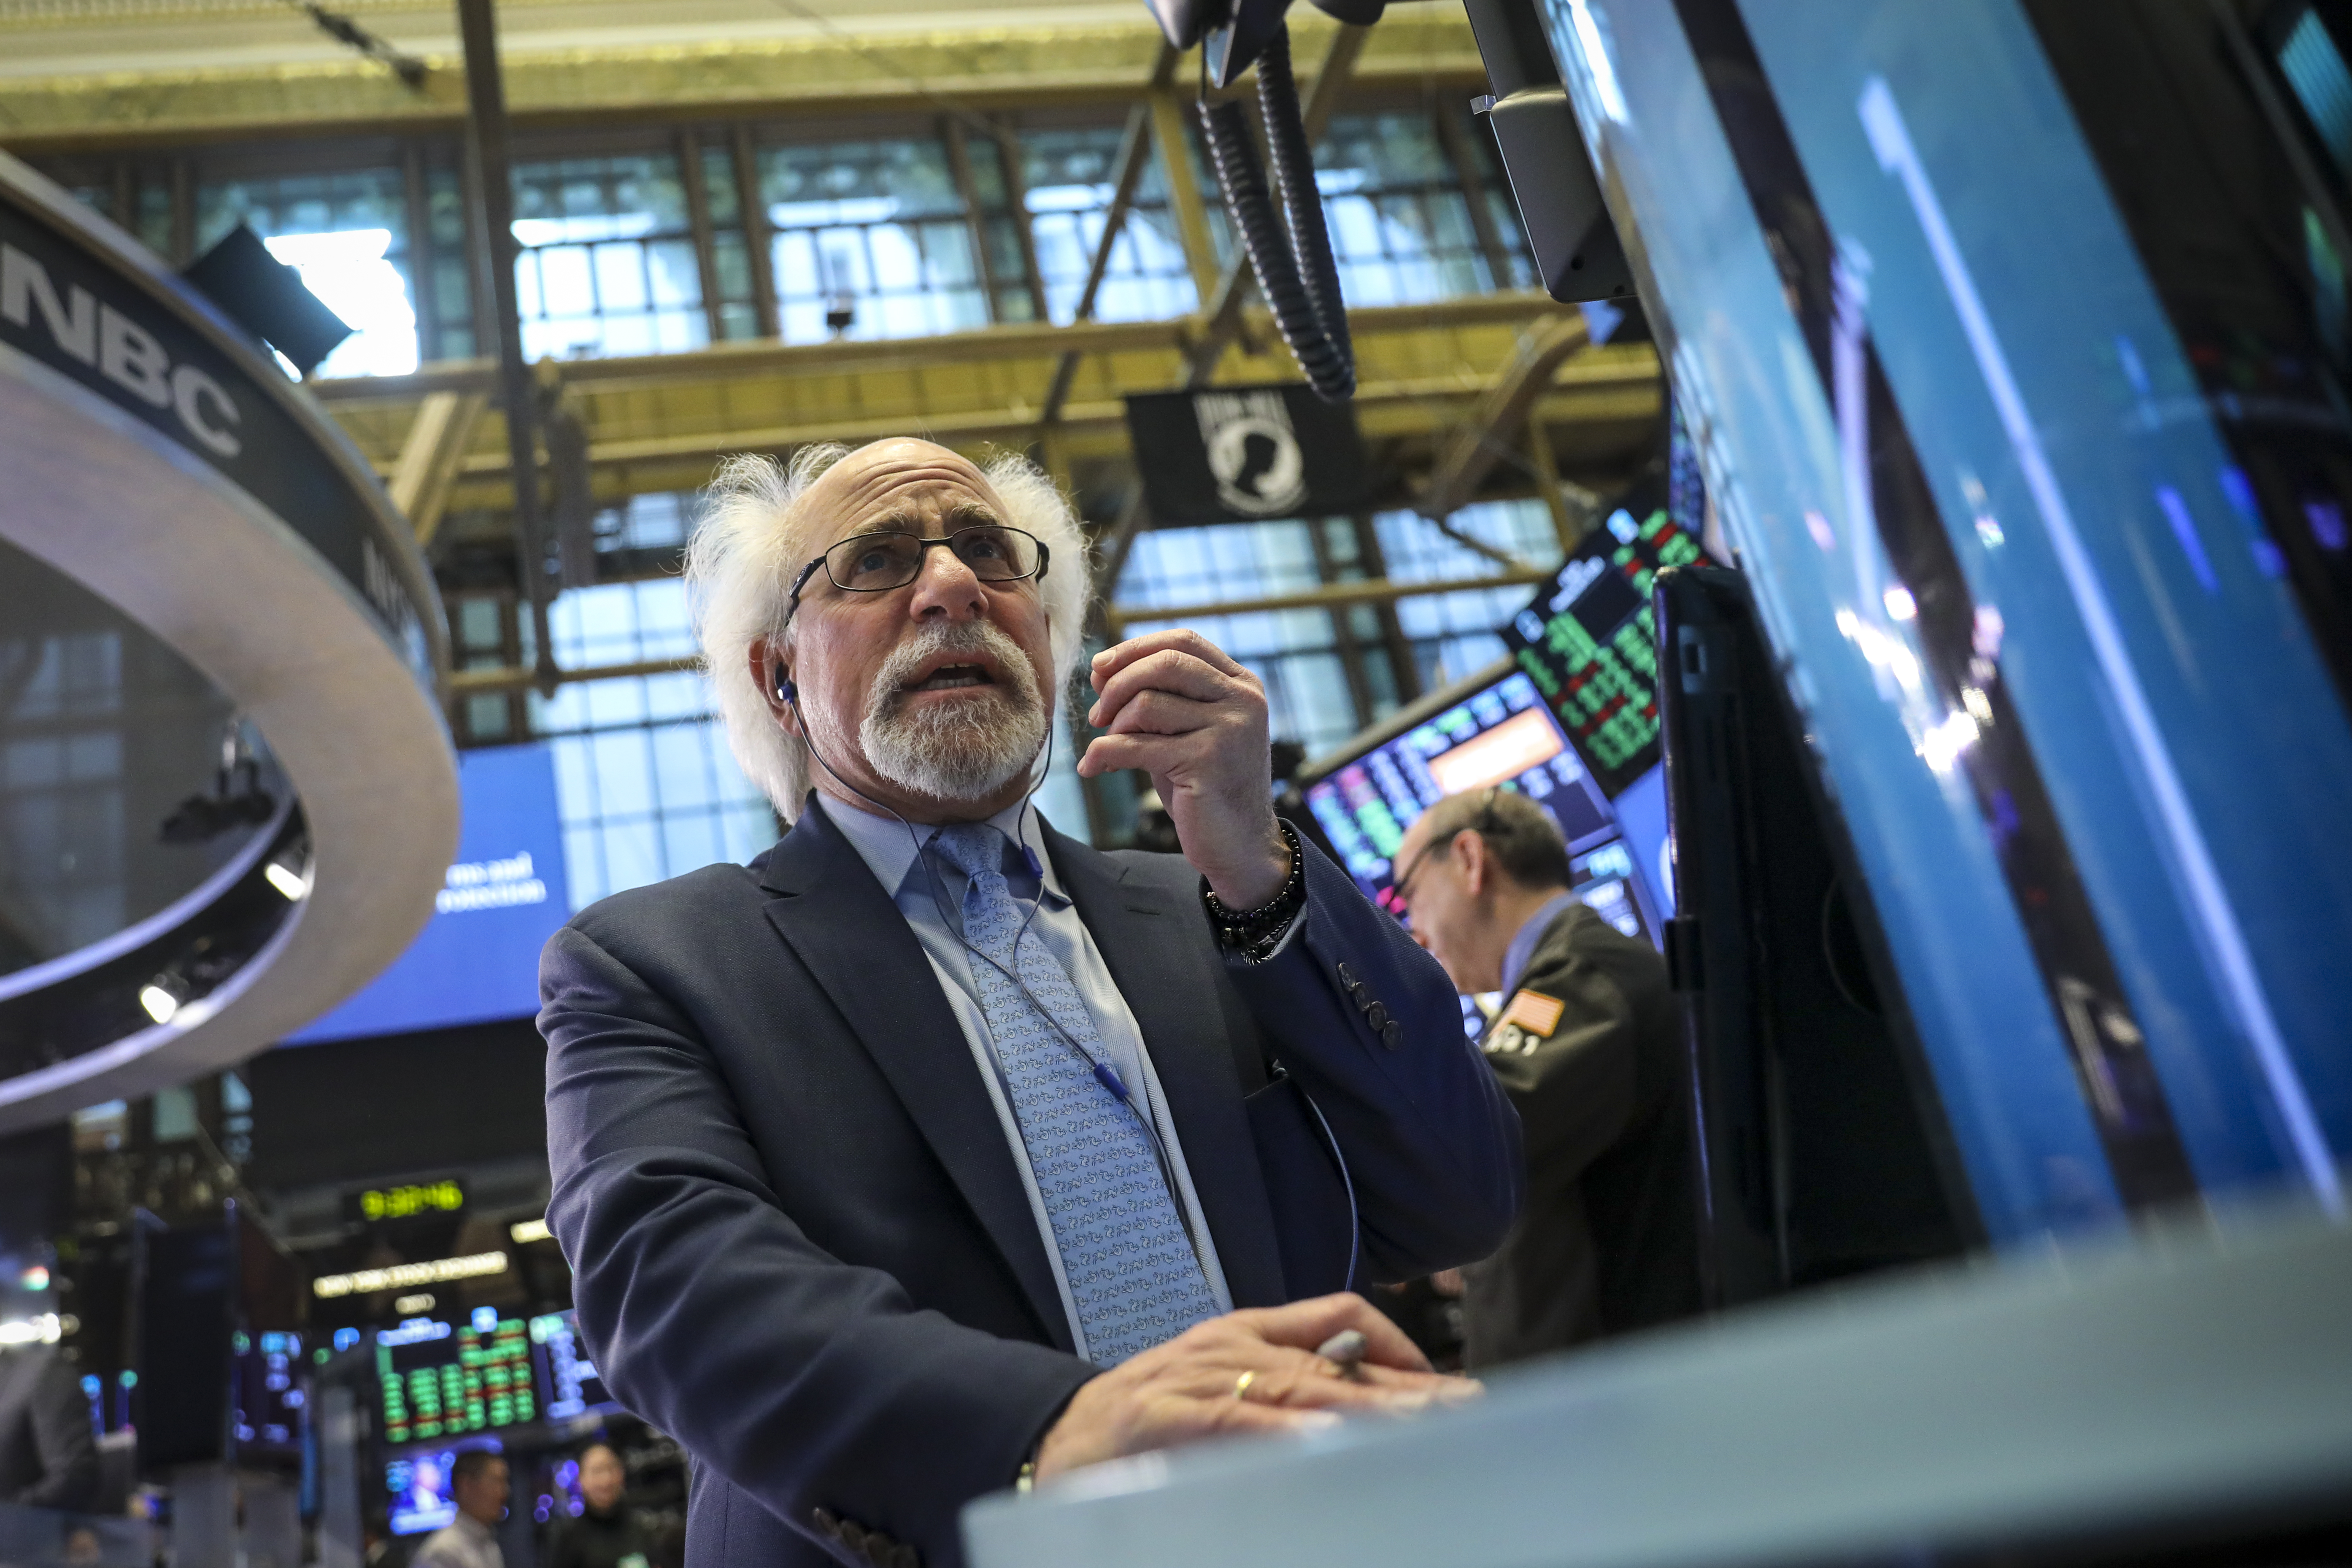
(409, 1306)
(160, 997)
(43, 1329)
(401, 1276)
(36, 1278)
(287, 881)
(525, 1231)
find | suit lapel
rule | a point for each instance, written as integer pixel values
(1167, 976)
(833, 913)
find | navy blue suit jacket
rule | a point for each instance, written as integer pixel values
(800, 1243)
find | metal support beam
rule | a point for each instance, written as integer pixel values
(1484, 436)
(1222, 310)
(486, 148)
(758, 242)
(1452, 132)
(706, 244)
(430, 456)
(772, 361)
(473, 682)
(1171, 142)
(1567, 525)
(1330, 596)
(1333, 595)
(975, 223)
(1016, 196)
(1134, 148)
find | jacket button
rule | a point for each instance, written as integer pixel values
(1377, 1015)
(825, 1523)
(1393, 1035)
(853, 1535)
(1347, 978)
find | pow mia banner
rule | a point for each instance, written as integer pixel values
(1238, 454)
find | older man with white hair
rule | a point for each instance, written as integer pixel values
(935, 1152)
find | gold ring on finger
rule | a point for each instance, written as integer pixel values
(1241, 1385)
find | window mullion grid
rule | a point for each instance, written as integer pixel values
(705, 242)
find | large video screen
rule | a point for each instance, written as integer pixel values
(477, 959)
(1500, 733)
(439, 1380)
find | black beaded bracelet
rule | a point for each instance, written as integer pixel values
(1255, 933)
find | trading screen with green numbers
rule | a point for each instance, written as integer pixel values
(1590, 641)
(445, 1380)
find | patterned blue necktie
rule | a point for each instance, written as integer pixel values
(1129, 1263)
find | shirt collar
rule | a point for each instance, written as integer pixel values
(883, 842)
(1522, 950)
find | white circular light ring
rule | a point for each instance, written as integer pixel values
(337, 663)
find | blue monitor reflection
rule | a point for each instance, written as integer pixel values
(2008, 363)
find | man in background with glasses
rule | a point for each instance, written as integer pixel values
(1587, 1042)
(935, 1153)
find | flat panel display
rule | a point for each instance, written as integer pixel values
(477, 959)
(1501, 733)
(270, 1408)
(1589, 643)
(437, 1379)
(563, 1367)
(421, 1496)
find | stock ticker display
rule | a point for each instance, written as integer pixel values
(1588, 642)
(443, 1380)
(1501, 734)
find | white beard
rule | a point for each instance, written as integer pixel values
(957, 752)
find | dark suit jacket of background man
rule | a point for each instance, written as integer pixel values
(47, 1456)
(1608, 1240)
(800, 1241)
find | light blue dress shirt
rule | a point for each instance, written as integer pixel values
(1522, 950)
(934, 910)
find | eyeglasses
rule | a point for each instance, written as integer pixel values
(877, 563)
(1400, 888)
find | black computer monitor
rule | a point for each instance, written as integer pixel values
(1492, 729)
(269, 1402)
(1828, 1154)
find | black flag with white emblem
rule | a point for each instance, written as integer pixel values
(1237, 453)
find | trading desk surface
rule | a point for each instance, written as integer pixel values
(2195, 1379)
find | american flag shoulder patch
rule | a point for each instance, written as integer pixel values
(1536, 1013)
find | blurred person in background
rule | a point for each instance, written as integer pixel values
(920, 1156)
(47, 1455)
(477, 1485)
(1587, 1043)
(606, 1534)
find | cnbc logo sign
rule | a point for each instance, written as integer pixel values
(119, 348)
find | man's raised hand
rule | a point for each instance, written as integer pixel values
(1175, 706)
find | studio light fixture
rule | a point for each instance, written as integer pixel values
(160, 997)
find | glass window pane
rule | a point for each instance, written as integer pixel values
(1069, 174)
(1398, 213)
(607, 264)
(877, 227)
